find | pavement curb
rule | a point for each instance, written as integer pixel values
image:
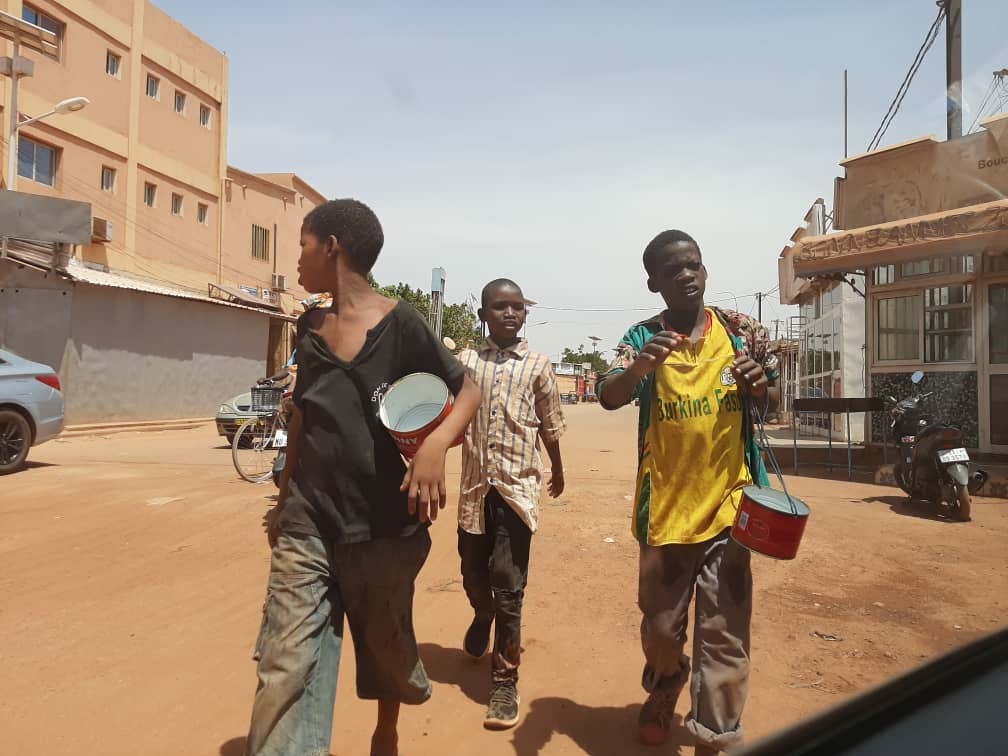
(146, 426)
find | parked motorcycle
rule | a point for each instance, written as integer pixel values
(932, 464)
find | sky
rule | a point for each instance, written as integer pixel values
(549, 142)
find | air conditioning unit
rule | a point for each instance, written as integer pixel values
(279, 282)
(101, 230)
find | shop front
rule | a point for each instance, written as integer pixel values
(936, 301)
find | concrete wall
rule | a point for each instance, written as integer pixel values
(140, 356)
(35, 314)
(125, 355)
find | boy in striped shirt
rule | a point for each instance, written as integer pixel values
(502, 474)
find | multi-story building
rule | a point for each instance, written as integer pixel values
(830, 332)
(927, 223)
(174, 226)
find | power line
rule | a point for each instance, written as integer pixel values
(983, 103)
(988, 107)
(904, 87)
(625, 309)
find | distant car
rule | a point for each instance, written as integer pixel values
(233, 413)
(31, 408)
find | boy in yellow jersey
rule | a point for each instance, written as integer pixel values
(698, 373)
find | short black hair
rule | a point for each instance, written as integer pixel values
(356, 227)
(672, 236)
(498, 283)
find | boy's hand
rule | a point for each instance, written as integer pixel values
(271, 525)
(425, 480)
(749, 376)
(654, 353)
(556, 482)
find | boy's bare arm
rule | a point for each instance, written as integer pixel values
(425, 475)
(293, 431)
(556, 481)
(617, 390)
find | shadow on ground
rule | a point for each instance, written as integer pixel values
(920, 510)
(453, 666)
(598, 730)
(30, 465)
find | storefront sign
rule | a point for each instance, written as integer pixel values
(989, 218)
(997, 162)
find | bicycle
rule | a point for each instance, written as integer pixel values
(260, 439)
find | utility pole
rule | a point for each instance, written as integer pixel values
(776, 327)
(953, 66)
(594, 340)
(436, 314)
(759, 306)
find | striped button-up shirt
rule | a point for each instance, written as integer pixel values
(520, 403)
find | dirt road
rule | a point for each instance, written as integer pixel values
(133, 566)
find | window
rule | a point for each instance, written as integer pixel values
(113, 64)
(997, 307)
(150, 194)
(922, 267)
(180, 102)
(884, 274)
(954, 265)
(176, 204)
(260, 243)
(996, 263)
(153, 87)
(899, 328)
(108, 177)
(36, 161)
(948, 323)
(204, 116)
(37, 17)
(202, 214)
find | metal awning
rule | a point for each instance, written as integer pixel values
(959, 231)
(76, 271)
(239, 296)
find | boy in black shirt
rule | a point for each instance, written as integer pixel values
(349, 533)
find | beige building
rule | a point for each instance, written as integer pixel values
(927, 223)
(171, 219)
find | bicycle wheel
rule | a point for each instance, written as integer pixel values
(252, 449)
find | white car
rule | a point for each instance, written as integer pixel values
(31, 408)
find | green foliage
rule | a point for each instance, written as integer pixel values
(580, 357)
(458, 322)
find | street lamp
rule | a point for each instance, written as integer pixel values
(23, 34)
(70, 105)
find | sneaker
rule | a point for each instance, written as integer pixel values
(477, 637)
(503, 711)
(656, 714)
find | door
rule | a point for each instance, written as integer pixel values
(995, 408)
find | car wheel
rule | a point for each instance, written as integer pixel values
(15, 439)
(230, 438)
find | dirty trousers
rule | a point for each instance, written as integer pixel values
(313, 584)
(718, 572)
(494, 576)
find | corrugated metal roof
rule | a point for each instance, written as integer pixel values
(242, 296)
(84, 274)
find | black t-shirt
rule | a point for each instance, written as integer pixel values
(345, 486)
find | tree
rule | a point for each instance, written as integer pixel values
(458, 322)
(580, 357)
